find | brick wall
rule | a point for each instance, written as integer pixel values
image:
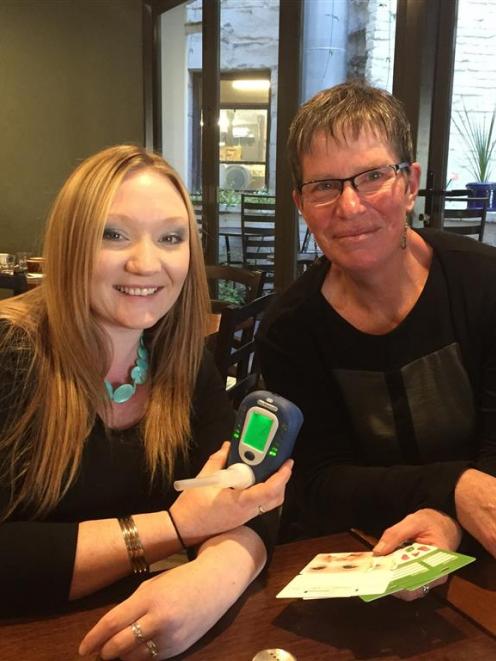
(474, 84)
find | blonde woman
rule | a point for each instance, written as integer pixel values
(106, 396)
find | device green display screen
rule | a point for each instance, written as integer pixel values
(257, 431)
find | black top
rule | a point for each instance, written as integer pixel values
(391, 421)
(37, 557)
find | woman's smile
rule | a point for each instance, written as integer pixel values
(355, 233)
(137, 291)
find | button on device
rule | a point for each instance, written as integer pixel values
(249, 455)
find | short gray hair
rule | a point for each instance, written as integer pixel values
(348, 108)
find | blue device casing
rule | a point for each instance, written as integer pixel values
(286, 420)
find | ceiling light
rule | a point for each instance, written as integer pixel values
(247, 85)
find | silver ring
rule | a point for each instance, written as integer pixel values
(137, 633)
(261, 510)
(425, 590)
(152, 648)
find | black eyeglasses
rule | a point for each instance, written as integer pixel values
(326, 191)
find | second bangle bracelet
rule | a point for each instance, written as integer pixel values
(178, 534)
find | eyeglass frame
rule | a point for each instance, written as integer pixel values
(397, 167)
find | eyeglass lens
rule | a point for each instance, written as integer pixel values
(320, 192)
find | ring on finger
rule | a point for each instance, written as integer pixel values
(261, 510)
(425, 590)
(152, 648)
(137, 632)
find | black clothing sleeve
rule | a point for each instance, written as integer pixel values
(37, 556)
(37, 560)
(337, 484)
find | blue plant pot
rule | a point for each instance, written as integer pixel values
(482, 189)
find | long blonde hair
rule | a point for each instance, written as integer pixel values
(57, 345)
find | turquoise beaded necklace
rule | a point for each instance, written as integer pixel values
(139, 374)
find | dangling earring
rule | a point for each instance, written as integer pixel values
(403, 236)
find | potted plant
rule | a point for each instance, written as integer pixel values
(228, 198)
(480, 139)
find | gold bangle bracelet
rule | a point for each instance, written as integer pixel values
(134, 546)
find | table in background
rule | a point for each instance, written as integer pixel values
(228, 233)
(16, 283)
(19, 283)
(342, 629)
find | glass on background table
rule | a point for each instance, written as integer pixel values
(22, 261)
(14, 263)
(19, 272)
(7, 263)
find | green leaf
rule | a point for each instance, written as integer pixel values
(480, 139)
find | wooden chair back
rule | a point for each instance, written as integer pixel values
(239, 283)
(234, 346)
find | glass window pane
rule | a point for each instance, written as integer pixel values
(181, 63)
(474, 91)
(248, 116)
(248, 99)
(344, 40)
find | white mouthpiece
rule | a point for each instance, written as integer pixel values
(237, 476)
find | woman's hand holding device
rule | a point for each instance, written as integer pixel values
(264, 434)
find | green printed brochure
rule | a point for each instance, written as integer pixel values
(418, 564)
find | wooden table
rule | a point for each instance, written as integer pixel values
(342, 629)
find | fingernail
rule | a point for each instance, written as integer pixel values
(86, 650)
(379, 547)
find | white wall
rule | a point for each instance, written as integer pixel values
(175, 90)
(474, 84)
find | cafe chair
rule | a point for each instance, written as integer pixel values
(469, 220)
(433, 204)
(233, 347)
(305, 244)
(197, 204)
(231, 284)
(258, 213)
(308, 254)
